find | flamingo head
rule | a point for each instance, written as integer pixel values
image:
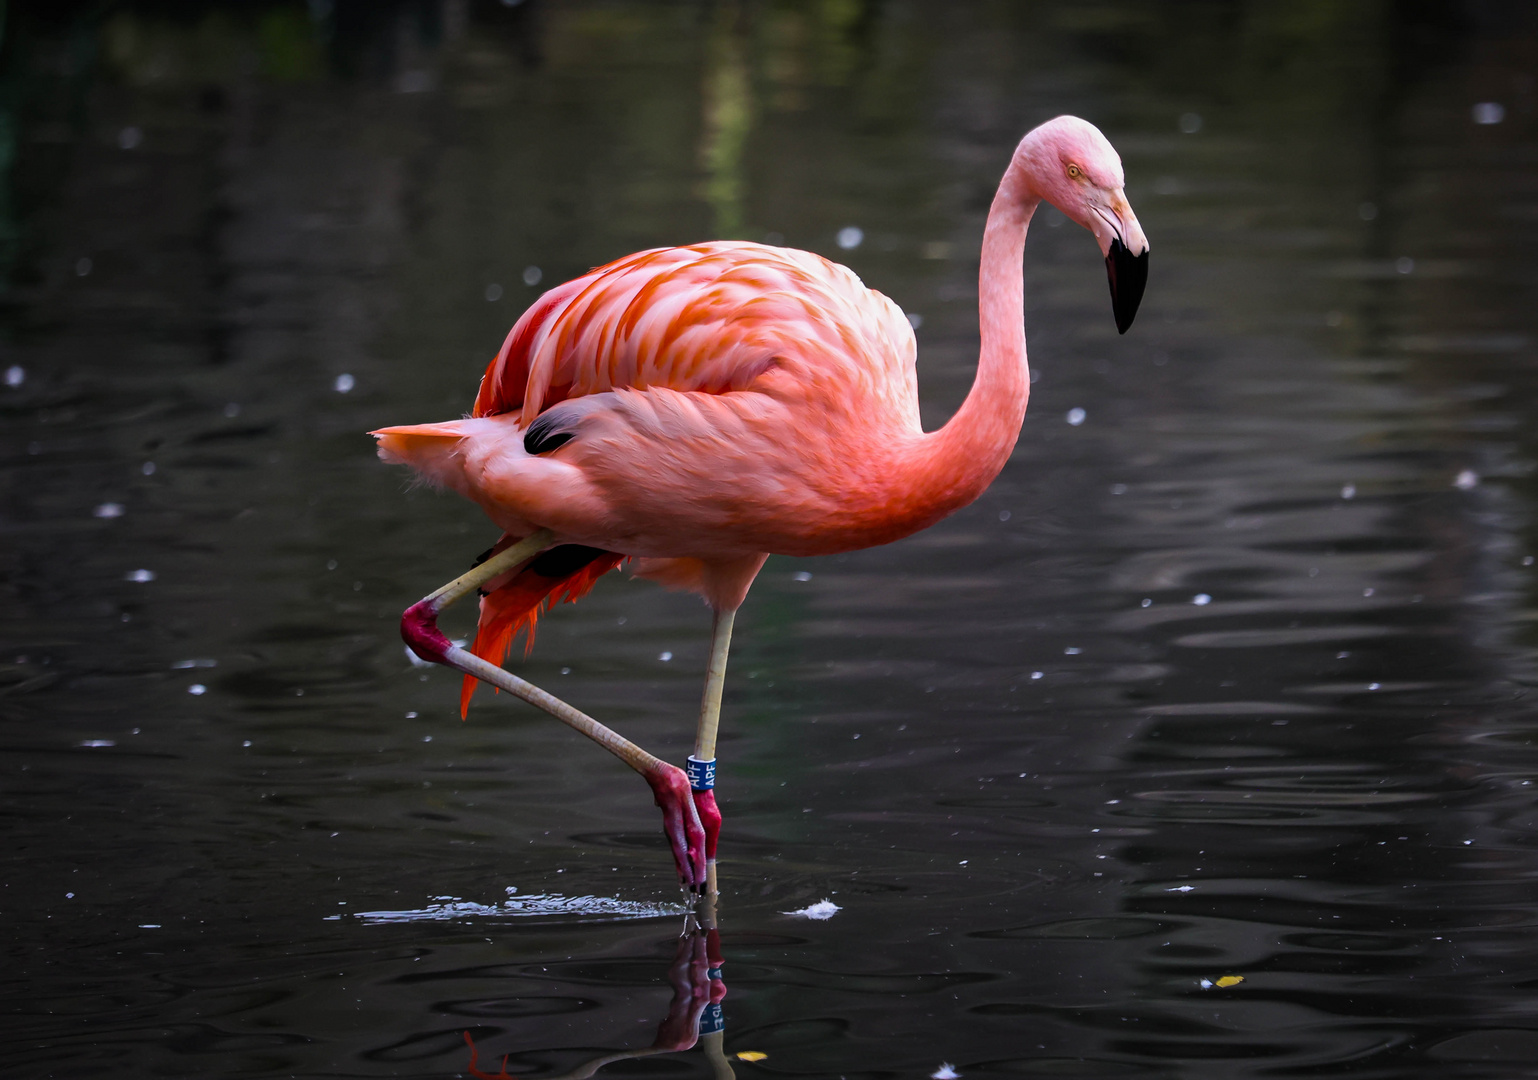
(1070, 164)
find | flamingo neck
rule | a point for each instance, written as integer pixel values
(957, 462)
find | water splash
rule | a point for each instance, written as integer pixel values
(583, 908)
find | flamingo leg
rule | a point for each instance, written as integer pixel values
(702, 763)
(669, 784)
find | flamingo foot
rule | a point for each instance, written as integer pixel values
(680, 822)
(710, 819)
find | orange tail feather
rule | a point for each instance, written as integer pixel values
(517, 604)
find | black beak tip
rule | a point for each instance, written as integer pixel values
(1128, 274)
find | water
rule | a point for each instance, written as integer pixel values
(1228, 679)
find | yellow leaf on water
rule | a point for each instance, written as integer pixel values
(1230, 980)
(751, 1055)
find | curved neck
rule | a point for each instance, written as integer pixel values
(962, 458)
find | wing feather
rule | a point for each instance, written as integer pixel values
(712, 318)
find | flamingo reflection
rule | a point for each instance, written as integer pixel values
(694, 1015)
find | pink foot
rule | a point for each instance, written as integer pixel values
(710, 819)
(680, 822)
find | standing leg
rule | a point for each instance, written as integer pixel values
(670, 786)
(702, 763)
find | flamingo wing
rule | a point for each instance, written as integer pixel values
(709, 318)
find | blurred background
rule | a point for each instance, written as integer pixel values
(1227, 677)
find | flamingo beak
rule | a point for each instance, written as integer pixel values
(1126, 259)
(1128, 274)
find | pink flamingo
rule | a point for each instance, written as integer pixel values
(695, 409)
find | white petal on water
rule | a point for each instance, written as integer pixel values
(344, 383)
(821, 911)
(94, 744)
(196, 662)
(850, 237)
(1404, 264)
(493, 293)
(802, 575)
(665, 657)
(915, 320)
(139, 575)
(108, 510)
(1467, 480)
(15, 375)
(197, 689)
(532, 275)
(1201, 599)
(946, 1071)
(1348, 492)
(416, 661)
(1076, 416)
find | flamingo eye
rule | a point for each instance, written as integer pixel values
(1074, 172)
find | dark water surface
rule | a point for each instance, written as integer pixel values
(1231, 679)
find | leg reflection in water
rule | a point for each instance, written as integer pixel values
(694, 1014)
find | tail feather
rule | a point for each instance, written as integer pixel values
(431, 449)
(561, 575)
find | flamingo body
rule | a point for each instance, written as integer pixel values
(719, 400)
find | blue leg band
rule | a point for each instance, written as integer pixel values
(702, 774)
(712, 1020)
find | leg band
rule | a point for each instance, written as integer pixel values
(702, 774)
(712, 1020)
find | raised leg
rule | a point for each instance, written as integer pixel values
(702, 763)
(669, 784)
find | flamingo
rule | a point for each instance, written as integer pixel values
(695, 409)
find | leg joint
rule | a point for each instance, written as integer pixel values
(419, 629)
